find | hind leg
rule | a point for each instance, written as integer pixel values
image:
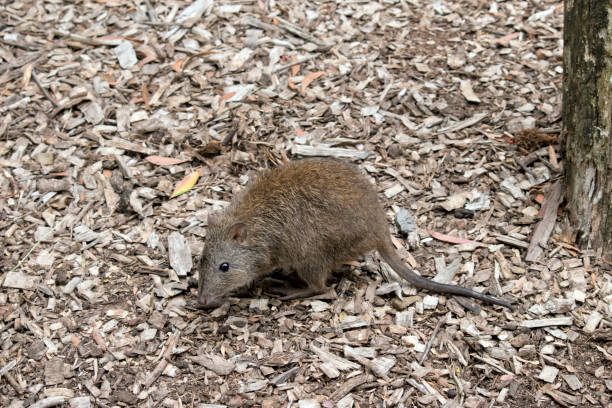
(315, 278)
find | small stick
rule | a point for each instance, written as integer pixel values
(431, 339)
(86, 40)
(7, 326)
(43, 90)
(459, 385)
(298, 31)
(369, 364)
(492, 364)
(152, 270)
(151, 11)
(524, 167)
(298, 62)
(165, 359)
(350, 385)
(4, 371)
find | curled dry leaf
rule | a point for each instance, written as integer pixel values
(185, 184)
(178, 64)
(310, 78)
(165, 161)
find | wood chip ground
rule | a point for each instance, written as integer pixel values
(451, 107)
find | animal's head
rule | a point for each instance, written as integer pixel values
(227, 262)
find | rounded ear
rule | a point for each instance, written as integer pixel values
(238, 232)
(213, 218)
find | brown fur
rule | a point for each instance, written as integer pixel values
(309, 216)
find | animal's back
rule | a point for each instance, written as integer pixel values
(313, 207)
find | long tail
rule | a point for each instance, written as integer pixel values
(390, 256)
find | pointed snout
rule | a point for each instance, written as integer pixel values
(205, 302)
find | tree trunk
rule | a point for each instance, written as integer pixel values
(587, 120)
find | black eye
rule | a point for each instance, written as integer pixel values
(224, 267)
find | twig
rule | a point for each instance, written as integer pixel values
(524, 167)
(350, 385)
(551, 393)
(7, 326)
(426, 389)
(4, 371)
(151, 11)
(395, 174)
(144, 269)
(42, 89)
(87, 40)
(68, 105)
(79, 217)
(298, 62)
(287, 26)
(369, 364)
(164, 361)
(459, 385)
(17, 44)
(455, 127)
(259, 24)
(431, 339)
(545, 227)
(492, 364)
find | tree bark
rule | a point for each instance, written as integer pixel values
(587, 120)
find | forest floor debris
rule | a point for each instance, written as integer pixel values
(451, 107)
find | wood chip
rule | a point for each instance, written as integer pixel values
(179, 254)
(337, 152)
(548, 374)
(557, 321)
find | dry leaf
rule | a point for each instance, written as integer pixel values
(228, 95)
(178, 64)
(75, 340)
(183, 62)
(308, 79)
(165, 161)
(108, 77)
(453, 240)
(185, 184)
(296, 68)
(149, 54)
(539, 198)
(27, 75)
(503, 41)
(145, 96)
